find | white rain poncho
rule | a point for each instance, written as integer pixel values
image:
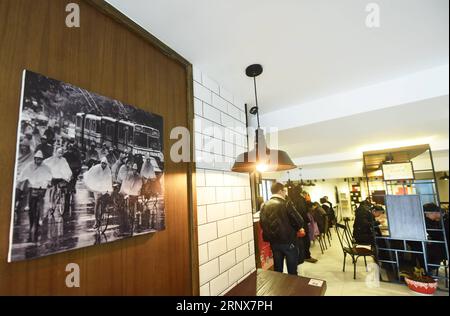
(98, 179)
(132, 185)
(147, 170)
(115, 169)
(59, 167)
(123, 172)
(39, 177)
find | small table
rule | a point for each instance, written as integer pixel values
(270, 283)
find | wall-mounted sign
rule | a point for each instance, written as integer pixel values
(398, 171)
(88, 170)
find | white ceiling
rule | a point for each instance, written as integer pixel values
(335, 87)
(309, 48)
(352, 135)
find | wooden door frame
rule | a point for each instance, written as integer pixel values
(122, 19)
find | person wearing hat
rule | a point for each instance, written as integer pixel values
(45, 148)
(38, 176)
(366, 224)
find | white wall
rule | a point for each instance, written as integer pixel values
(225, 224)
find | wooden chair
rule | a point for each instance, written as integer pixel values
(348, 248)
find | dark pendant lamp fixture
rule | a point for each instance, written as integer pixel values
(261, 158)
(444, 177)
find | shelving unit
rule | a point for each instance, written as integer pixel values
(395, 253)
(355, 194)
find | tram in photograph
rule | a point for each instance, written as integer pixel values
(126, 136)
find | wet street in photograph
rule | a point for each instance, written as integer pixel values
(76, 227)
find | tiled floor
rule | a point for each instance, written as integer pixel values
(329, 268)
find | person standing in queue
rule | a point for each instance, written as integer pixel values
(280, 222)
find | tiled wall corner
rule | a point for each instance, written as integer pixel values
(224, 213)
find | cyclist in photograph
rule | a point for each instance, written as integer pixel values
(131, 189)
(61, 175)
(124, 170)
(98, 179)
(38, 176)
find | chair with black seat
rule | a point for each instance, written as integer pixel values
(349, 248)
(327, 234)
(347, 224)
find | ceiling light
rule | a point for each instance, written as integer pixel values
(262, 167)
(261, 158)
(444, 177)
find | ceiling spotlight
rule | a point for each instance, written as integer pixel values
(444, 177)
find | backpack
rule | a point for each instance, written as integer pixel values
(270, 224)
(313, 229)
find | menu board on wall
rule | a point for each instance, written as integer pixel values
(398, 171)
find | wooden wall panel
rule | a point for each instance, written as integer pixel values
(106, 57)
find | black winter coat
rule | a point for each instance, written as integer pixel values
(280, 221)
(365, 226)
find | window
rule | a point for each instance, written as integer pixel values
(110, 131)
(154, 143)
(264, 189)
(79, 119)
(140, 139)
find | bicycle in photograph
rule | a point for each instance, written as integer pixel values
(102, 213)
(131, 205)
(59, 197)
(70, 191)
(36, 201)
(152, 206)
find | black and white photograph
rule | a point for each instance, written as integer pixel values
(88, 170)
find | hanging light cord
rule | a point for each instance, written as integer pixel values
(256, 100)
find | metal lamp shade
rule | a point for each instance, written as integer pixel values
(246, 163)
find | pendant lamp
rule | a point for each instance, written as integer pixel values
(261, 158)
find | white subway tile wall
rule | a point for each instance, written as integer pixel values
(225, 231)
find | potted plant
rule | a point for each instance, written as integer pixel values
(419, 282)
